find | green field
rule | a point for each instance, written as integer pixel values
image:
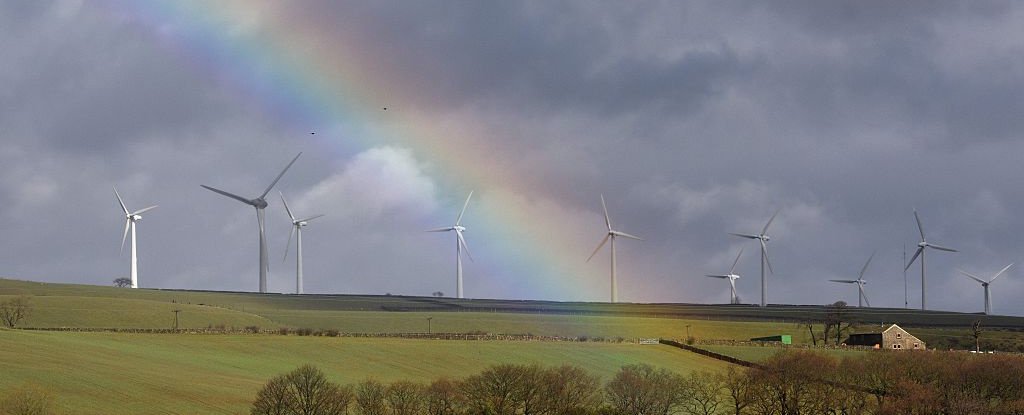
(119, 373)
(106, 372)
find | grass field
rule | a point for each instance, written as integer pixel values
(118, 373)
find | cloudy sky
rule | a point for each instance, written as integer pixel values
(694, 119)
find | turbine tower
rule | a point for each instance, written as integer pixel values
(259, 203)
(985, 284)
(732, 277)
(862, 298)
(297, 225)
(763, 238)
(129, 223)
(611, 236)
(460, 244)
(920, 252)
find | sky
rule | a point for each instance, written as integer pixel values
(693, 119)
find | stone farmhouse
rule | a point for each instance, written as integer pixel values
(892, 338)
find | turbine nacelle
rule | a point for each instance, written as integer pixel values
(459, 228)
(258, 203)
(922, 244)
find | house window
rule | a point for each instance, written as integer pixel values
(916, 345)
(895, 346)
(899, 335)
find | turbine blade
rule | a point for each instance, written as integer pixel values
(868, 303)
(311, 218)
(462, 241)
(764, 248)
(716, 276)
(440, 229)
(920, 228)
(765, 230)
(458, 221)
(603, 241)
(845, 281)
(1000, 273)
(607, 220)
(288, 246)
(231, 195)
(865, 268)
(743, 235)
(127, 222)
(732, 269)
(141, 211)
(125, 209)
(279, 176)
(628, 235)
(916, 254)
(971, 276)
(286, 209)
(942, 248)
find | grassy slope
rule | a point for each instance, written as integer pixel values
(146, 373)
(69, 305)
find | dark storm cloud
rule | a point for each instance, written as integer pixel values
(694, 119)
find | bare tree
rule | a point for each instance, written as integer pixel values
(809, 324)
(371, 398)
(570, 389)
(976, 333)
(443, 397)
(643, 390)
(302, 391)
(405, 398)
(123, 282)
(739, 389)
(14, 310)
(703, 393)
(495, 390)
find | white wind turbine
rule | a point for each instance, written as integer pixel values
(259, 203)
(862, 298)
(129, 222)
(763, 238)
(611, 236)
(985, 284)
(297, 225)
(732, 277)
(920, 252)
(460, 244)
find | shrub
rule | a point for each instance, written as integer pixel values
(252, 329)
(27, 400)
(283, 331)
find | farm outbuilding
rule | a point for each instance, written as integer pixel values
(781, 338)
(894, 338)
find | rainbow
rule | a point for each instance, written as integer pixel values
(303, 72)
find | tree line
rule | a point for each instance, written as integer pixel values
(792, 382)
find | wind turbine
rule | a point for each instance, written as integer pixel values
(763, 238)
(732, 277)
(985, 284)
(611, 236)
(129, 222)
(920, 252)
(862, 298)
(259, 203)
(460, 244)
(297, 225)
